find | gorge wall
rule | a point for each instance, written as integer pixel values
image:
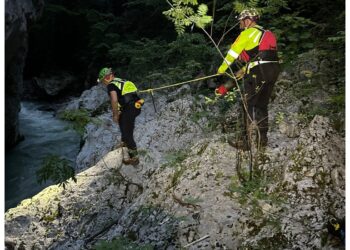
(19, 15)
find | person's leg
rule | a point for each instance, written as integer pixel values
(267, 77)
(122, 126)
(252, 94)
(130, 114)
(246, 115)
(263, 124)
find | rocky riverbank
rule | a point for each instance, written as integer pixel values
(190, 182)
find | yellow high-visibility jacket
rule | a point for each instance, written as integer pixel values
(247, 40)
(126, 91)
(124, 86)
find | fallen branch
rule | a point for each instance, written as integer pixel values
(196, 241)
(183, 203)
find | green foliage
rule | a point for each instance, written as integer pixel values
(51, 215)
(226, 103)
(332, 107)
(176, 176)
(239, 6)
(183, 15)
(115, 177)
(121, 243)
(224, 16)
(100, 25)
(338, 101)
(230, 98)
(102, 109)
(201, 20)
(145, 154)
(57, 170)
(193, 200)
(111, 33)
(280, 116)
(189, 47)
(296, 38)
(335, 109)
(79, 117)
(148, 3)
(59, 9)
(254, 191)
(136, 58)
(219, 175)
(262, 6)
(175, 158)
(198, 115)
(213, 113)
(339, 39)
(157, 62)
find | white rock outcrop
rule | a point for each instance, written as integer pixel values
(187, 187)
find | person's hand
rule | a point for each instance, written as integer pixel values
(240, 73)
(116, 117)
(221, 90)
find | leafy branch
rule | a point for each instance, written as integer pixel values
(184, 16)
(181, 7)
(56, 169)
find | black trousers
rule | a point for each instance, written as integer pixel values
(127, 125)
(258, 86)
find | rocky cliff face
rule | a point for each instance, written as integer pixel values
(182, 192)
(173, 204)
(19, 14)
(189, 185)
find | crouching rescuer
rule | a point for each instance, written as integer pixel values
(126, 106)
(257, 49)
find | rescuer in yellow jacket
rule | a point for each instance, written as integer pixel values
(257, 48)
(126, 106)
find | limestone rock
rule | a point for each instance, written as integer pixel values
(189, 185)
(55, 84)
(60, 218)
(90, 99)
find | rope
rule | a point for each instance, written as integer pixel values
(177, 84)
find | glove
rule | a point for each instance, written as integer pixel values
(240, 73)
(221, 90)
(221, 70)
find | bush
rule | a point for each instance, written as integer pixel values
(79, 117)
(57, 170)
(120, 244)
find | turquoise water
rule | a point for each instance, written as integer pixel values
(44, 135)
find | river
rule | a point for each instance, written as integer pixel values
(44, 135)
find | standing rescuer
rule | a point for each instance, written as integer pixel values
(126, 106)
(258, 49)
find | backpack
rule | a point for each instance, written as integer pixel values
(266, 50)
(268, 41)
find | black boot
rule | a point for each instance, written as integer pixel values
(131, 161)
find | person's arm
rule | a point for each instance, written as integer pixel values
(115, 106)
(236, 48)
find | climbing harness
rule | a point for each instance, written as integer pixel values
(256, 63)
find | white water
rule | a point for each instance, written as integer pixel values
(44, 135)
